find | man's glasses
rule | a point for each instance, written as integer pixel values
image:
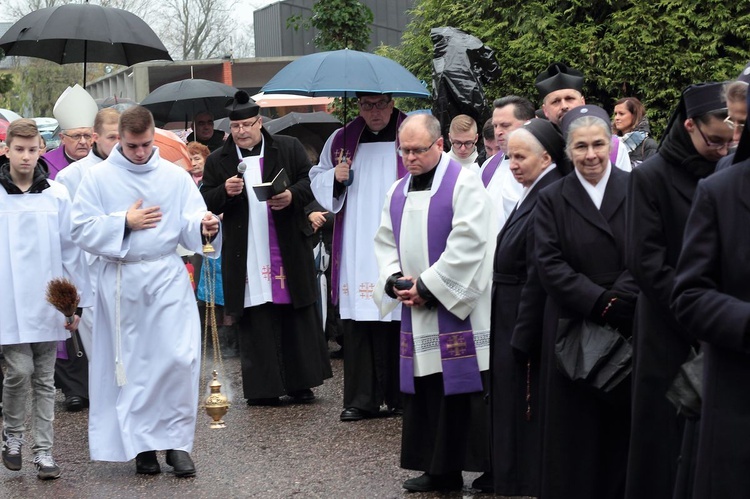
(710, 144)
(416, 152)
(732, 125)
(367, 106)
(236, 127)
(458, 144)
(78, 136)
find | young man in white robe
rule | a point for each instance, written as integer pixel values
(434, 248)
(36, 247)
(357, 166)
(132, 210)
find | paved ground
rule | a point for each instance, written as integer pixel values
(289, 451)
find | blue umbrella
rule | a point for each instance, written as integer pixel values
(343, 73)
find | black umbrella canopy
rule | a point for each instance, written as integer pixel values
(84, 33)
(181, 100)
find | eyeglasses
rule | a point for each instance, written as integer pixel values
(710, 144)
(732, 125)
(582, 149)
(458, 144)
(367, 106)
(416, 152)
(78, 136)
(236, 127)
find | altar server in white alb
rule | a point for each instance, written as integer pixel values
(35, 247)
(434, 249)
(132, 210)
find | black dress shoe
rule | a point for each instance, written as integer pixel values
(427, 482)
(181, 462)
(304, 396)
(74, 403)
(146, 463)
(484, 482)
(354, 414)
(270, 402)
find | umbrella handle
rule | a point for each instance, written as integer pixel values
(349, 181)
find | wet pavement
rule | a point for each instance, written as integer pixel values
(271, 452)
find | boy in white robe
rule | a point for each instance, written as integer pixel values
(132, 210)
(36, 247)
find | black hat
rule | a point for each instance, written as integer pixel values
(745, 74)
(550, 138)
(703, 98)
(582, 112)
(241, 107)
(558, 76)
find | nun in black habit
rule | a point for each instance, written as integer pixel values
(534, 150)
(580, 253)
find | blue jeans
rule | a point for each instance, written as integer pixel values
(31, 371)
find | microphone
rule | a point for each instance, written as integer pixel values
(241, 168)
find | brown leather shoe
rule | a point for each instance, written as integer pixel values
(181, 462)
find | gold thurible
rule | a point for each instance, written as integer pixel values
(216, 403)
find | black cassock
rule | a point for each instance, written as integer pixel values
(517, 308)
(712, 299)
(580, 255)
(282, 347)
(661, 194)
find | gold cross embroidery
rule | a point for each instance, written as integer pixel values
(281, 277)
(456, 345)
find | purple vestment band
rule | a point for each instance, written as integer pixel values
(346, 140)
(491, 168)
(457, 349)
(279, 288)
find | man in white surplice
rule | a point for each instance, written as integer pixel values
(434, 248)
(357, 166)
(132, 210)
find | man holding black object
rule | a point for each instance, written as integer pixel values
(269, 272)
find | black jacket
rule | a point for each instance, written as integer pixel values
(280, 152)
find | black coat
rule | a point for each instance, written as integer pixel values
(712, 299)
(659, 201)
(280, 152)
(580, 254)
(517, 310)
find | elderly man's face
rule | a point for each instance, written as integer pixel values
(246, 133)
(376, 111)
(420, 152)
(77, 141)
(203, 126)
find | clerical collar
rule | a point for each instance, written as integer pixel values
(67, 158)
(387, 134)
(253, 151)
(423, 182)
(97, 153)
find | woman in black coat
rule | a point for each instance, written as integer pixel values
(517, 308)
(580, 251)
(661, 193)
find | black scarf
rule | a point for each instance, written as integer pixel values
(677, 148)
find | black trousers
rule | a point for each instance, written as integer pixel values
(371, 365)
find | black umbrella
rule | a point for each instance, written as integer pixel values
(311, 129)
(84, 33)
(181, 100)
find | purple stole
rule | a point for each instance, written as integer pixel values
(346, 139)
(56, 160)
(457, 349)
(279, 288)
(491, 168)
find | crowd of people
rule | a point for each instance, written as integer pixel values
(525, 306)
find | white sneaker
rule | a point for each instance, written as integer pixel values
(46, 467)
